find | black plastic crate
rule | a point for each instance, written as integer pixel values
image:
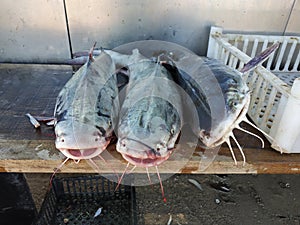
(75, 200)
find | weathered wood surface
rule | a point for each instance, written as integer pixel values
(33, 89)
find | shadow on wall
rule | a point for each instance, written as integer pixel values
(42, 36)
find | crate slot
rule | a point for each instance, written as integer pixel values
(270, 83)
(74, 200)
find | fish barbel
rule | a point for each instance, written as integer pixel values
(150, 117)
(219, 93)
(85, 109)
(221, 96)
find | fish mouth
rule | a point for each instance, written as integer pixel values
(146, 162)
(79, 154)
(141, 154)
(224, 135)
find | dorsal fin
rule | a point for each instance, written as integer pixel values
(91, 58)
(260, 58)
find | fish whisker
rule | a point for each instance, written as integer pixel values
(264, 133)
(132, 169)
(252, 134)
(239, 147)
(76, 161)
(57, 169)
(119, 181)
(148, 175)
(227, 140)
(161, 185)
(110, 166)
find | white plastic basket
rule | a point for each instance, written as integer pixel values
(275, 99)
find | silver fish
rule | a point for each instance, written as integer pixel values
(222, 98)
(85, 109)
(150, 117)
(221, 106)
(219, 93)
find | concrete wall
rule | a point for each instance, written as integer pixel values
(32, 31)
(36, 31)
(293, 25)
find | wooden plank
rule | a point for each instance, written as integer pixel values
(33, 88)
(258, 161)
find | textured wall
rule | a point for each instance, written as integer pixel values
(293, 25)
(35, 30)
(32, 31)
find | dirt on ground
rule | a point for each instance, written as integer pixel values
(216, 199)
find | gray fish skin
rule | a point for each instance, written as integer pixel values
(85, 109)
(236, 98)
(216, 118)
(150, 117)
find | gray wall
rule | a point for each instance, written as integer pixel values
(36, 30)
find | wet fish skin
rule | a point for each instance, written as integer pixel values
(85, 109)
(216, 117)
(149, 125)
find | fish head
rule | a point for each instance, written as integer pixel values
(235, 112)
(150, 145)
(77, 140)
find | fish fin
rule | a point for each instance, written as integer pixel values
(44, 118)
(52, 122)
(33, 120)
(260, 58)
(91, 58)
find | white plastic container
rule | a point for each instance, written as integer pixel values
(275, 99)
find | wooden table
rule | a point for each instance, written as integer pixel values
(33, 89)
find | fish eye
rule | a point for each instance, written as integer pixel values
(60, 138)
(158, 149)
(123, 144)
(172, 131)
